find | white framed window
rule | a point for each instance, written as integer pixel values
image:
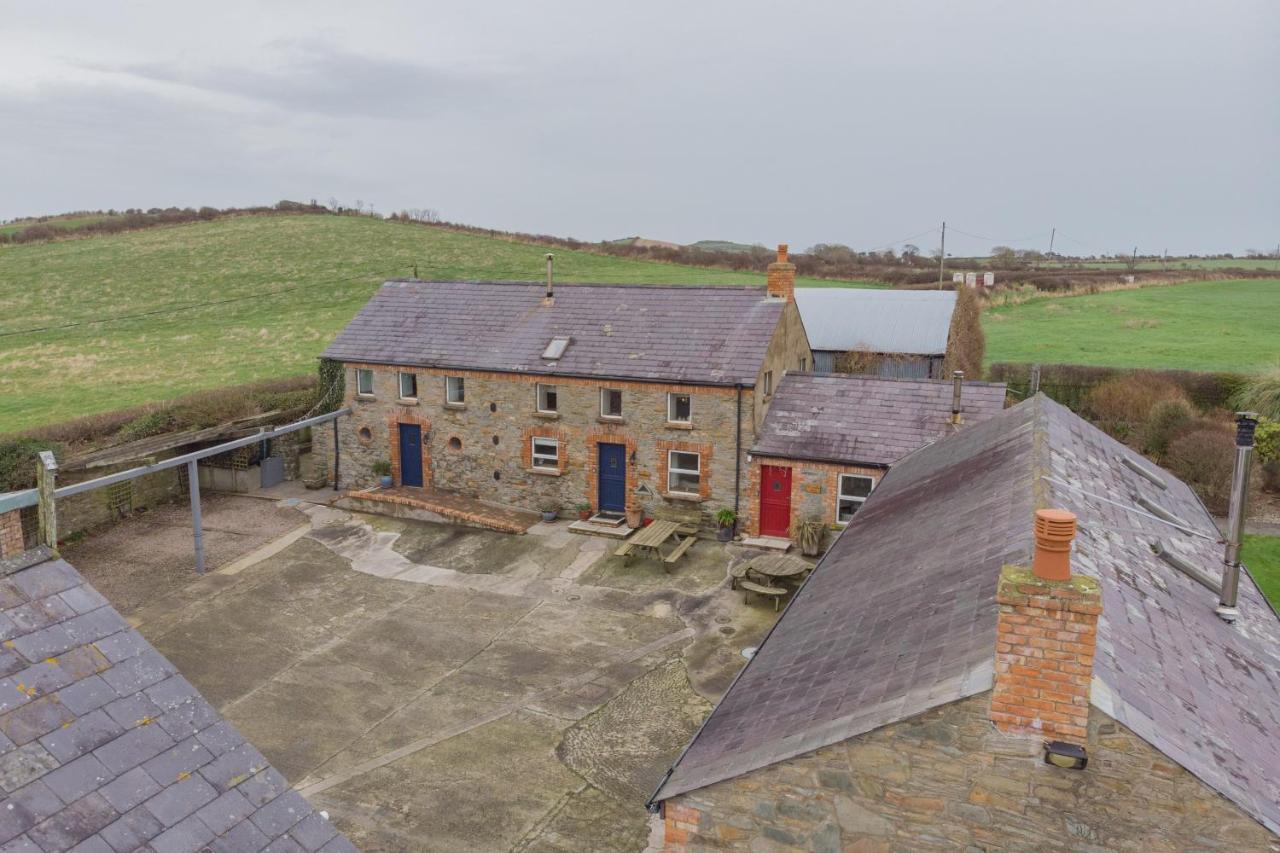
(804, 364)
(679, 409)
(548, 399)
(546, 453)
(610, 403)
(408, 386)
(364, 382)
(854, 489)
(766, 385)
(455, 391)
(684, 472)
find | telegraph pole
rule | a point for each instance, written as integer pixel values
(1052, 234)
(942, 254)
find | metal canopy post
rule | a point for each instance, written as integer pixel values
(193, 489)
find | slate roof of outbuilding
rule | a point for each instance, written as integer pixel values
(685, 333)
(840, 319)
(900, 615)
(104, 744)
(866, 420)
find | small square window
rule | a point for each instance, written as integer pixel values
(610, 403)
(766, 385)
(854, 489)
(455, 391)
(546, 453)
(679, 409)
(408, 386)
(547, 399)
(684, 472)
(364, 382)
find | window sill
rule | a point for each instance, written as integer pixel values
(611, 419)
(684, 496)
(546, 472)
(455, 406)
(679, 425)
(365, 398)
(407, 401)
(547, 416)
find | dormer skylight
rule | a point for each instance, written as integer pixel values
(555, 349)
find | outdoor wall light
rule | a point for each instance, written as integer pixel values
(1062, 754)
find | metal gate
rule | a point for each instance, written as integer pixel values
(272, 471)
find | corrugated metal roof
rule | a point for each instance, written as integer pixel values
(906, 321)
(686, 333)
(900, 616)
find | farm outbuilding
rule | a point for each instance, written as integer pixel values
(903, 333)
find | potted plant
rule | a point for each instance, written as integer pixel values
(811, 533)
(726, 519)
(635, 516)
(549, 508)
(584, 511)
(383, 469)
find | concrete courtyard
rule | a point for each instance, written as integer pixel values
(437, 687)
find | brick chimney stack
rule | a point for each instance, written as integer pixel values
(782, 276)
(1045, 638)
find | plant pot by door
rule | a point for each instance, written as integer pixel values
(549, 516)
(385, 482)
(635, 517)
(724, 534)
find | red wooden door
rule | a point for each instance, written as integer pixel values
(775, 501)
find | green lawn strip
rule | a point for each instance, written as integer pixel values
(1262, 556)
(1211, 325)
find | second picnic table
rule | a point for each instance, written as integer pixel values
(651, 539)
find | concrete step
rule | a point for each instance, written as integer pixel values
(608, 531)
(769, 543)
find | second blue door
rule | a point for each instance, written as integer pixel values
(410, 455)
(612, 478)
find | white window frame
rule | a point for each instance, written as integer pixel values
(538, 395)
(804, 364)
(768, 383)
(673, 469)
(400, 376)
(671, 408)
(542, 459)
(452, 384)
(604, 394)
(364, 372)
(859, 500)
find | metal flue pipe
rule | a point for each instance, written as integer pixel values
(1246, 423)
(957, 383)
(550, 283)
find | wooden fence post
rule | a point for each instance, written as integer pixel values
(46, 477)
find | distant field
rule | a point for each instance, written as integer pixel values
(68, 222)
(1206, 325)
(1182, 264)
(1262, 555)
(296, 280)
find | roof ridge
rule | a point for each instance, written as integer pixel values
(577, 284)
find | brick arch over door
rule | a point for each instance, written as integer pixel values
(409, 416)
(609, 435)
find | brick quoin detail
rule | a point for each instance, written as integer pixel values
(526, 451)
(11, 542)
(678, 821)
(704, 464)
(609, 435)
(408, 416)
(1046, 634)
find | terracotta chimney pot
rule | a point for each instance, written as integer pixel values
(1054, 530)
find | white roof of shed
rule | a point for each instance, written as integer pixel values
(888, 321)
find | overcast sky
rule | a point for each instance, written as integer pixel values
(1149, 122)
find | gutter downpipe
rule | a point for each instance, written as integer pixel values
(337, 454)
(737, 457)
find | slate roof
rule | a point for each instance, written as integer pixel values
(866, 420)
(841, 319)
(691, 334)
(103, 744)
(900, 615)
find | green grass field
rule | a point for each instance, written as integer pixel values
(1262, 555)
(321, 269)
(1179, 264)
(64, 222)
(1205, 325)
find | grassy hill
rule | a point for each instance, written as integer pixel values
(284, 286)
(1203, 325)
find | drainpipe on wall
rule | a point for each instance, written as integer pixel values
(737, 456)
(336, 454)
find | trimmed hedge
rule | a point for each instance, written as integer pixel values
(1070, 384)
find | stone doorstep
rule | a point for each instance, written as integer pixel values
(769, 543)
(608, 531)
(454, 508)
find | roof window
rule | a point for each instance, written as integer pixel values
(556, 348)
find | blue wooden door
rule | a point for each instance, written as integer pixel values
(612, 478)
(410, 455)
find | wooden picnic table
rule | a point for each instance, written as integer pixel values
(650, 540)
(769, 569)
(779, 566)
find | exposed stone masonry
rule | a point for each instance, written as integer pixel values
(815, 487)
(11, 533)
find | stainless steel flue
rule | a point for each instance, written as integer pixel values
(550, 283)
(1246, 423)
(957, 383)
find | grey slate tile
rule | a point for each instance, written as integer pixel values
(185, 837)
(129, 789)
(24, 764)
(313, 832)
(74, 823)
(231, 768)
(83, 598)
(180, 759)
(72, 781)
(225, 812)
(244, 836)
(178, 800)
(46, 579)
(22, 844)
(263, 787)
(281, 814)
(35, 718)
(132, 830)
(284, 844)
(87, 695)
(133, 747)
(83, 734)
(93, 844)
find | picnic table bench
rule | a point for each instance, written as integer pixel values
(761, 575)
(774, 592)
(649, 540)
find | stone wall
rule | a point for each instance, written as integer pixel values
(109, 504)
(788, 350)
(948, 780)
(482, 449)
(814, 488)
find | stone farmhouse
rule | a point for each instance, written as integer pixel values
(1010, 646)
(828, 439)
(623, 398)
